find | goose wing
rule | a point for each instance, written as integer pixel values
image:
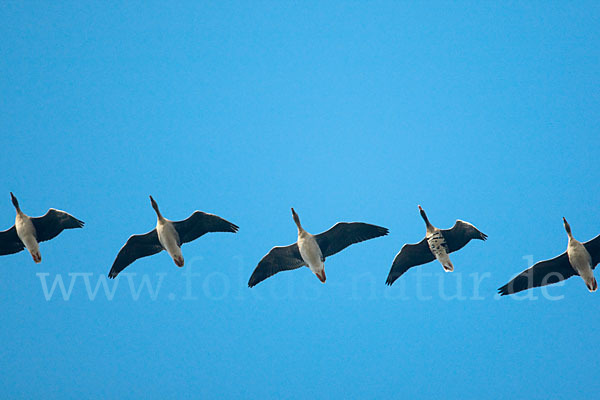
(343, 234)
(278, 259)
(460, 234)
(200, 223)
(10, 242)
(137, 246)
(409, 256)
(593, 247)
(49, 225)
(540, 274)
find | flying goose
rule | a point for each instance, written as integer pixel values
(579, 259)
(27, 232)
(437, 244)
(168, 235)
(311, 250)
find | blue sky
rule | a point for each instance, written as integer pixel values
(347, 112)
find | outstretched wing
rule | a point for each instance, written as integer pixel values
(278, 259)
(10, 242)
(200, 223)
(52, 223)
(409, 256)
(540, 274)
(593, 247)
(460, 234)
(343, 234)
(137, 246)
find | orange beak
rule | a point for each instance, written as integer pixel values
(321, 276)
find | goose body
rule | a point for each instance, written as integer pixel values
(311, 250)
(579, 259)
(439, 248)
(169, 240)
(437, 245)
(28, 232)
(168, 235)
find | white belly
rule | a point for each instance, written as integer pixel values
(169, 239)
(437, 245)
(439, 248)
(310, 252)
(580, 260)
(26, 232)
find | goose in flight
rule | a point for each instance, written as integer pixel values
(437, 244)
(579, 259)
(311, 250)
(28, 232)
(168, 235)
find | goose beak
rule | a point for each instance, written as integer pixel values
(321, 276)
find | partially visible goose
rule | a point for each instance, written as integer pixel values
(579, 259)
(27, 232)
(437, 244)
(168, 235)
(312, 250)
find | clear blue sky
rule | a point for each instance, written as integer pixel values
(347, 112)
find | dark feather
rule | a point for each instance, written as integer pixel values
(200, 223)
(593, 247)
(278, 259)
(540, 274)
(52, 223)
(10, 242)
(409, 256)
(343, 234)
(461, 234)
(137, 246)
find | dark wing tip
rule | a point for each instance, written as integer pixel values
(221, 224)
(375, 232)
(503, 291)
(483, 236)
(389, 280)
(253, 281)
(67, 220)
(258, 276)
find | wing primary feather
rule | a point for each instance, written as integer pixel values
(137, 246)
(278, 259)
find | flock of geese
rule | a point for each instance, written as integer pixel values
(309, 250)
